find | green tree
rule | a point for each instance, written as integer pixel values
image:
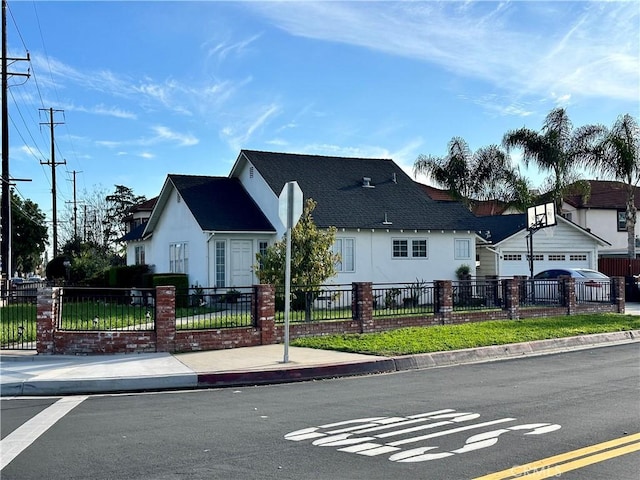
(486, 174)
(312, 259)
(118, 205)
(616, 156)
(29, 234)
(557, 149)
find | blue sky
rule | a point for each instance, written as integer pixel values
(152, 88)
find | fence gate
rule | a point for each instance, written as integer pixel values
(18, 318)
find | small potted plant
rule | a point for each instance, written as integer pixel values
(463, 272)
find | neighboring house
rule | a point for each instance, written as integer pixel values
(603, 213)
(135, 222)
(388, 230)
(506, 253)
(481, 208)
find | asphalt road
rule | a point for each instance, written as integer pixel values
(463, 422)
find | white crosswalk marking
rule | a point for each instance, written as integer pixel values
(13, 444)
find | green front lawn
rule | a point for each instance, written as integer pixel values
(414, 340)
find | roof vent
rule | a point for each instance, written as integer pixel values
(366, 182)
(386, 220)
(394, 178)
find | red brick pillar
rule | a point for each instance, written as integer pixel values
(166, 319)
(444, 300)
(512, 288)
(362, 305)
(265, 313)
(47, 308)
(569, 289)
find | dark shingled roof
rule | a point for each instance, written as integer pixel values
(336, 184)
(220, 204)
(496, 228)
(134, 234)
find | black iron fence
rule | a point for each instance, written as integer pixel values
(403, 299)
(477, 294)
(114, 309)
(18, 314)
(91, 309)
(202, 308)
(315, 304)
(17, 322)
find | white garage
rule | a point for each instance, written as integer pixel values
(503, 251)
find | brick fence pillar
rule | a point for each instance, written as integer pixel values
(362, 305)
(444, 300)
(512, 288)
(166, 319)
(569, 289)
(264, 311)
(47, 308)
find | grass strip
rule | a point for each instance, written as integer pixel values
(414, 340)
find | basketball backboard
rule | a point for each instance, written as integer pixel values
(541, 216)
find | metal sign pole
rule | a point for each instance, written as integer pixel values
(287, 275)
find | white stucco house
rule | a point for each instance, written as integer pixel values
(505, 252)
(388, 229)
(603, 213)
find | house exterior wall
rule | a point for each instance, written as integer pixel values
(603, 223)
(177, 225)
(262, 194)
(131, 251)
(374, 261)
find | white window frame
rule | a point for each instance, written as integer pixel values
(220, 275)
(409, 244)
(458, 248)
(346, 248)
(139, 254)
(179, 257)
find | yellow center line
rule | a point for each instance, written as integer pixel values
(583, 462)
(541, 465)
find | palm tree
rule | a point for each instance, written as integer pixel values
(556, 149)
(616, 155)
(466, 175)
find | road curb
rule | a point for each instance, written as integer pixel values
(227, 379)
(513, 350)
(417, 362)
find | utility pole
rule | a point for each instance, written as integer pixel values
(5, 200)
(53, 164)
(75, 208)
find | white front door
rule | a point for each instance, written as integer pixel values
(241, 263)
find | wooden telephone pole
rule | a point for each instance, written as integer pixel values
(53, 164)
(5, 183)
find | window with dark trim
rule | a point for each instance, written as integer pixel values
(622, 221)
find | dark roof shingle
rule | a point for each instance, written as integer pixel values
(220, 204)
(336, 184)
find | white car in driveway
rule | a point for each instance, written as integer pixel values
(591, 285)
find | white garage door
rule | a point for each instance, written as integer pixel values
(515, 263)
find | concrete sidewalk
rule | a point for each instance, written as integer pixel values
(25, 373)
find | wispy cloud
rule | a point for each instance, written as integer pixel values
(222, 50)
(240, 132)
(166, 134)
(590, 48)
(161, 134)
